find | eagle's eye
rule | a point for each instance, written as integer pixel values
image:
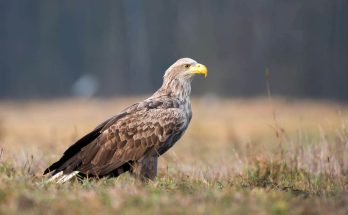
(187, 66)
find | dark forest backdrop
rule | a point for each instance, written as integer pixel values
(108, 48)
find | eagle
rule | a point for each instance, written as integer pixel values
(133, 139)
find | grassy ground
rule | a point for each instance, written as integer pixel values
(237, 157)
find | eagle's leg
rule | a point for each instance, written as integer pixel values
(146, 168)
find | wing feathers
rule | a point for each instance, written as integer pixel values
(123, 139)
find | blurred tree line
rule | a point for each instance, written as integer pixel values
(124, 46)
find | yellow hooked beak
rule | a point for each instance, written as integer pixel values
(199, 69)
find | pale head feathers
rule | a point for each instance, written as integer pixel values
(180, 69)
(177, 78)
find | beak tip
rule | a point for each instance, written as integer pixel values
(200, 69)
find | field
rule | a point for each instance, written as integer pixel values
(239, 156)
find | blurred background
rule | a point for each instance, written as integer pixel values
(67, 65)
(51, 49)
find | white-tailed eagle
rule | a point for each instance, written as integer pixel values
(134, 139)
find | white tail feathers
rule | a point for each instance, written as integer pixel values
(60, 178)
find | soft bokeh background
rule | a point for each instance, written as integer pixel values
(85, 47)
(66, 66)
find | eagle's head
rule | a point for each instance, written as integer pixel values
(184, 69)
(177, 78)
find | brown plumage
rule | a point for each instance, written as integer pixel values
(135, 138)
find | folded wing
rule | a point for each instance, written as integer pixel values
(142, 129)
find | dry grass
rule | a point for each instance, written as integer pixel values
(234, 158)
